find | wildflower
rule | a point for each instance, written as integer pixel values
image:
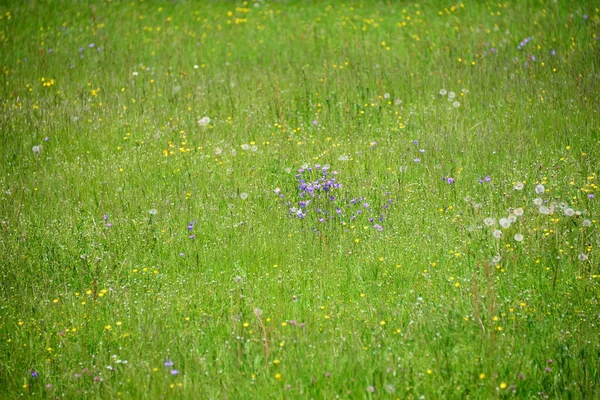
(315, 122)
(417, 160)
(569, 212)
(204, 121)
(538, 202)
(512, 218)
(451, 95)
(450, 180)
(371, 389)
(504, 223)
(153, 211)
(168, 363)
(489, 221)
(583, 257)
(519, 186)
(37, 149)
(540, 189)
(497, 234)
(544, 210)
(174, 371)
(591, 196)
(496, 259)
(34, 373)
(343, 157)
(456, 104)
(518, 212)
(518, 237)
(443, 92)
(243, 195)
(587, 223)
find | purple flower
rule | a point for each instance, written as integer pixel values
(105, 217)
(192, 236)
(591, 196)
(450, 181)
(532, 58)
(487, 178)
(416, 142)
(91, 45)
(315, 122)
(417, 160)
(492, 50)
(168, 363)
(371, 389)
(34, 373)
(553, 52)
(174, 371)
(191, 225)
(46, 138)
(378, 227)
(548, 369)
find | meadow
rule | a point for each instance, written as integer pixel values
(299, 200)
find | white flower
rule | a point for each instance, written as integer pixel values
(587, 223)
(505, 223)
(443, 92)
(540, 189)
(153, 211)
(233, 152)
(456, 104)
(512, 218)
(37, 149)
(386, 96)
(254, 147)
(245, 146)
(496, 259)
(489, 221)
(544, 210)
(195, 66)
(519, 186)
(569, 212)
(583, 257)
(204, 121)
(538, 202)
(135, 73)
(518, 237)
(243, 195)
(343, 157)
(518, 212)
(451, 95)
(497, 234)
(218, 151)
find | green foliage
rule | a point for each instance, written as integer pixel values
(148, 158)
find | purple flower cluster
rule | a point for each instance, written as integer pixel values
(317, 191)
(523, 43)
(486, 179)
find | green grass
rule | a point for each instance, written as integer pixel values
(101, 283)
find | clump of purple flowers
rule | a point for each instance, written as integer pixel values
(523, 43)
(318, 199)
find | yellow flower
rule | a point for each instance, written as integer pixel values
(481, 376)
(503, 385)
(278, 376)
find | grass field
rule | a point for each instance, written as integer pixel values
(228, 200)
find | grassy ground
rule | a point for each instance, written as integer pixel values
(299, 200)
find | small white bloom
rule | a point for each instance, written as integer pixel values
(218, 151)
(497, 234)
(538, 202)
(587, 223)
(204, 121)
(443, 92)
(540, 189)
(254, 147)
(512, 218)
(37, 149)
(243, 195)
(386, 96)
(496, 259)
(519, 186)
(504, 223)
(153, 211)
(489, 221)
(233, 152)
(518, 237)
(195, 66)
(456, 104)
(518, 212)
(135, 73)
(451, 95)
(245, 146)
(343, 157)
(583, 257)
(569, 212)
(544, 210)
